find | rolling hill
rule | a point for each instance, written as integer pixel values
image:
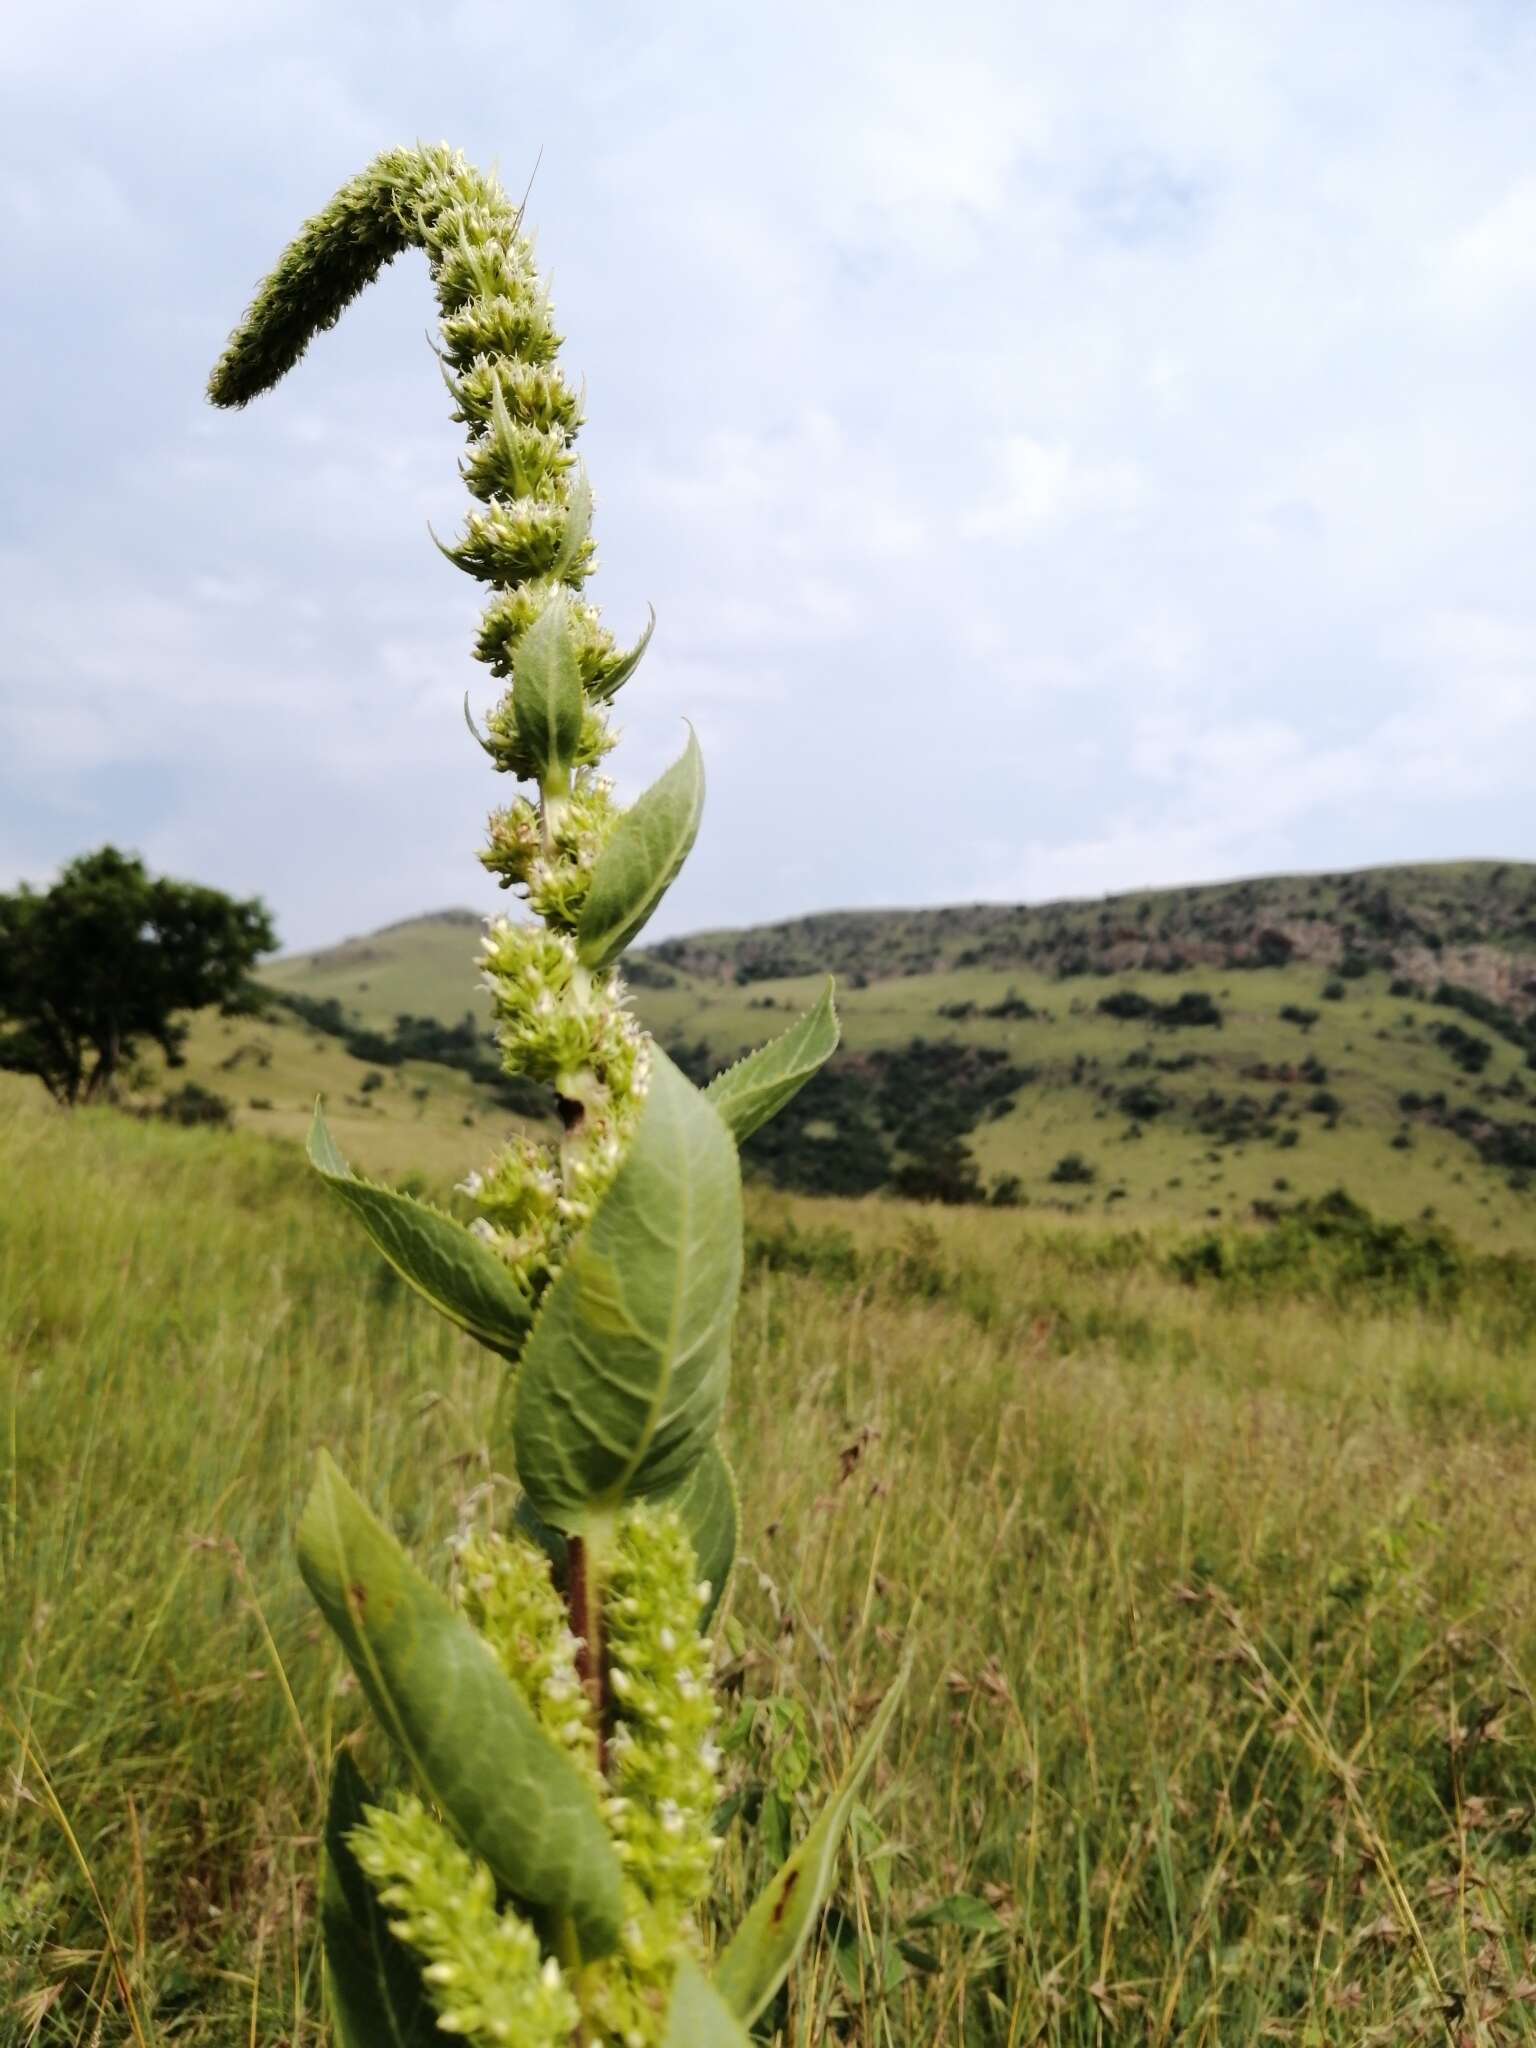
(1178, 1054)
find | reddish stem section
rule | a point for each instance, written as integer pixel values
(583, 1605)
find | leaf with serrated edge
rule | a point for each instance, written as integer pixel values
(760, 1953)
(547, 704)
(624, 1377)
(376, 1994)
(697, 2016)
(446, 1265)
(518, 1801)
(640, 862)
(758, 1086)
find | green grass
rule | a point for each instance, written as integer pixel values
(1219, 1596)
(1178, 1164)
(418, 1118)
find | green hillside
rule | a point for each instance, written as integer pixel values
(1184, 1053)
(418, 1118)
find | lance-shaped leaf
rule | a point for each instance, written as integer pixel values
(547, 703)
(698, 2017)
(761, 1951)
(618, 671)
(376, 1993)
(516, 1799)
(640, 862)
(461, 1277)
(758, 1086)
(624, 1376)
(578, 526)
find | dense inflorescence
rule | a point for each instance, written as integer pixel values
(658, 1796)
(481, 1963)
(546, 1863)
(529, 538)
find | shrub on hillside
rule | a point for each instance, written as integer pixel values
(1193, 1008)
(1332, 1245)
(193, 1105)
(1470, 1053)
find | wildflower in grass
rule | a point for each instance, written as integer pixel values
(549, 1867)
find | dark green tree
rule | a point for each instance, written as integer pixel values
(108, 958)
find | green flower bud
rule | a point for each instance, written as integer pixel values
(509, 615)
(483, 1969)
(662, 1765)
(503, 1585)
(510, 543)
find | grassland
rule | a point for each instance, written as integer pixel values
(1221, 1725)
(417, 1120)
(1332, 1067)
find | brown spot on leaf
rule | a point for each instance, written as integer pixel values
(781, 1903)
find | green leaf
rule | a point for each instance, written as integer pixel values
(578, 525)
(710, 1507)
(547, 703)
(760, 1953)
(475, 733)
(709, 1504)
(606, 686)
(624, 1376)
(960, 1909)
(461, 1277)
(552, 1541)
(516, 1799)
(376, 1993)
(758, 1086)
(640, 862)
(697, 2016)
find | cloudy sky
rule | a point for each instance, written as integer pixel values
(1069, 445)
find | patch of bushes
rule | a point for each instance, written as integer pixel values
(1333, 1246)
(1192, 1009)
(1471, 1002)
(894, 1118)
(640, 971)
(464, 1046)
(195, 1106)
(1470, 1053)
(1013, 1006)
(1144, 1101)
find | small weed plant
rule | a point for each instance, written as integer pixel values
(534, 1872)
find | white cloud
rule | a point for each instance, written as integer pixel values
(1494, 260)
(1064, 448)
(1042, 486)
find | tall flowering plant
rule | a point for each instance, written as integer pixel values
(537, 1873)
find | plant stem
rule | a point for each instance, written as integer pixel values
(583, 1599)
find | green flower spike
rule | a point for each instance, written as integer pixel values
(540, 1881)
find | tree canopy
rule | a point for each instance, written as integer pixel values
(110, 957)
